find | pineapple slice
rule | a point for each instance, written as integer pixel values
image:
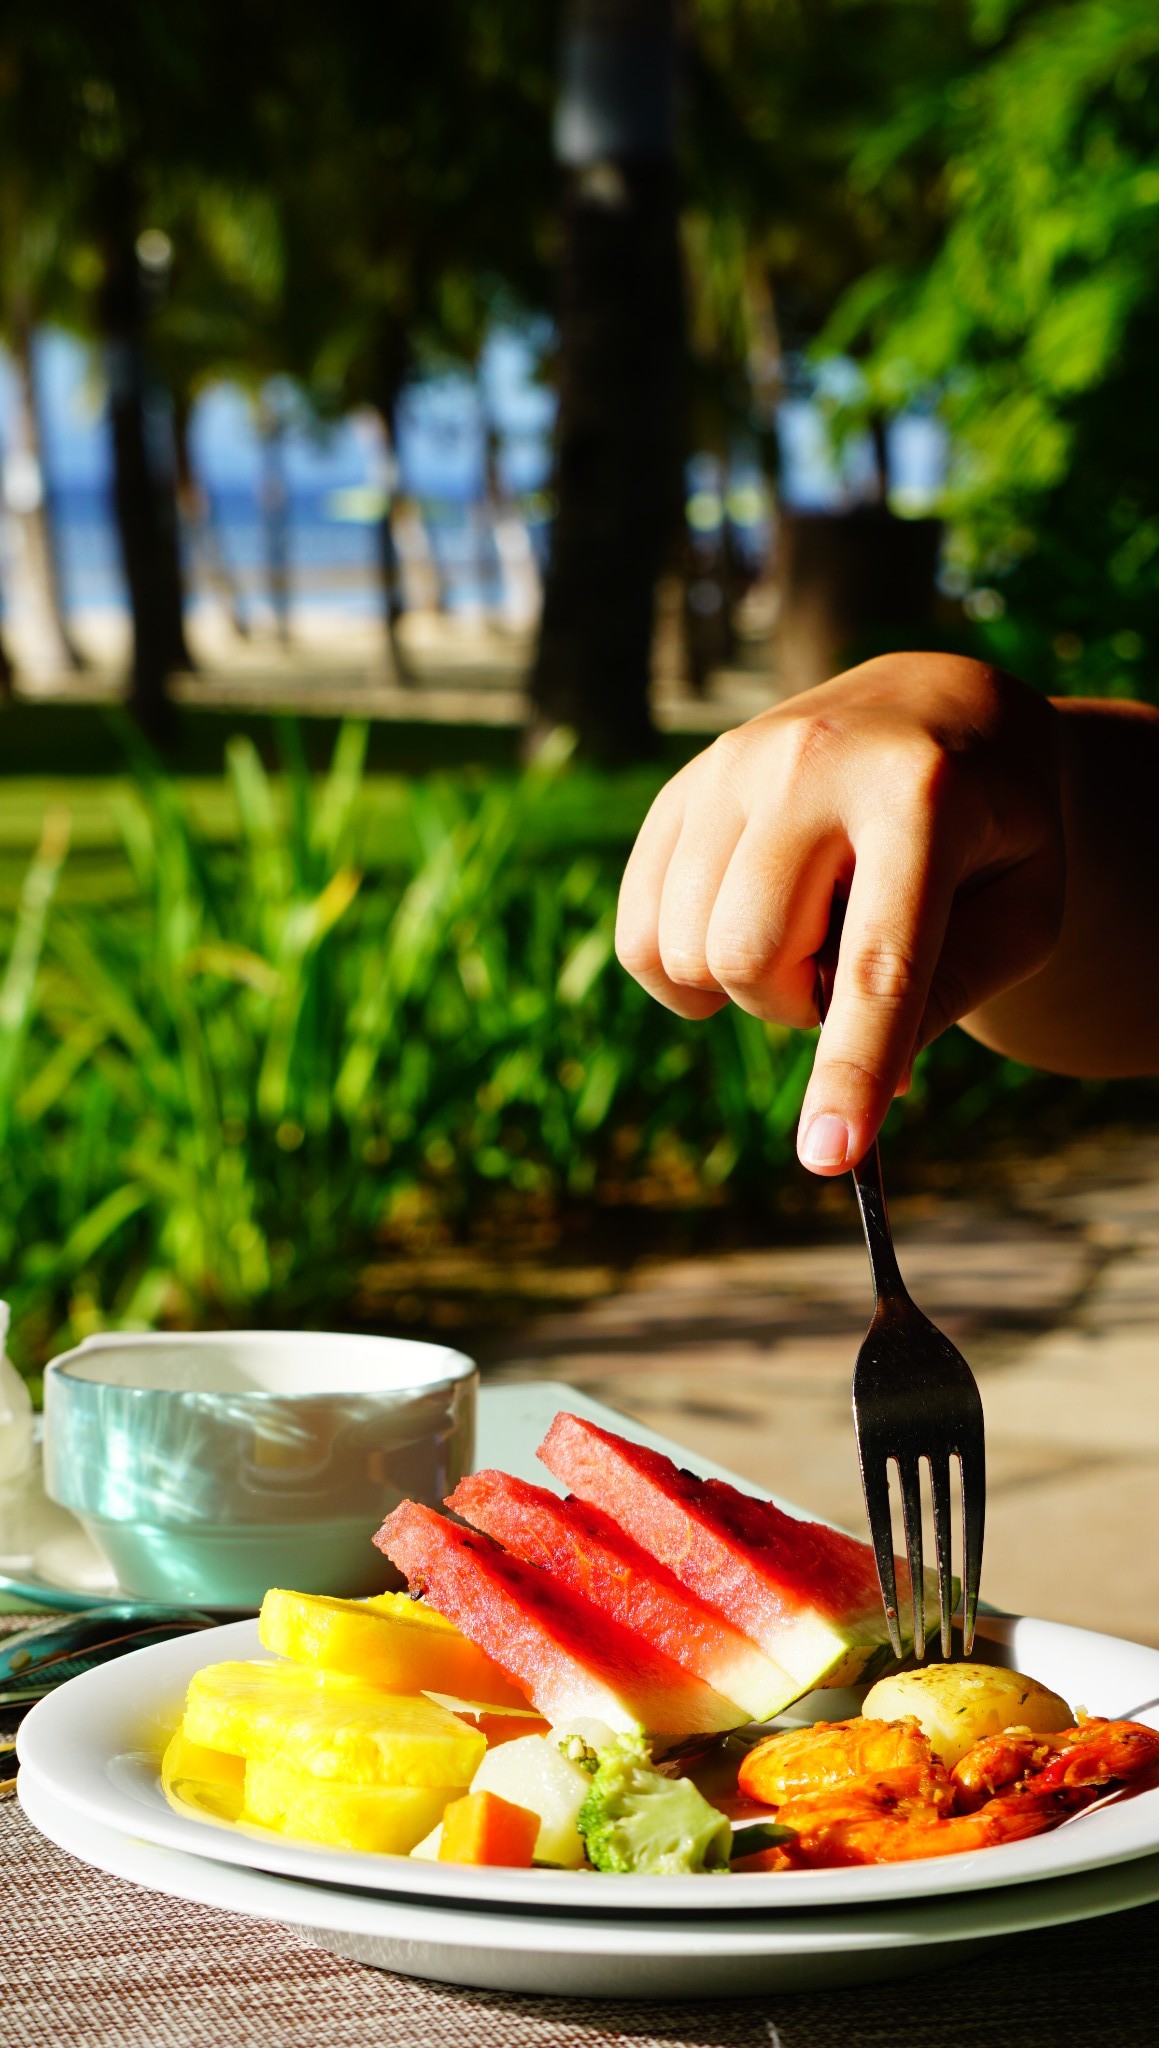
(206, 1779)
(390, 1640)
(385, 1819)
(331, 1725)
(498, 1724)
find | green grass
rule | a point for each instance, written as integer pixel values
(316, 1015)
(266, 1034)
(585, 810)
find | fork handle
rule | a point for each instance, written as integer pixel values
(888, 1284)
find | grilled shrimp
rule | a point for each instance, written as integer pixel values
(1098, 1753)
(999, 1761)
(803, 1761)
(867, 1823)
(873, 1791)
(1091, 1755)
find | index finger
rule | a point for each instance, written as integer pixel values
(899, 907)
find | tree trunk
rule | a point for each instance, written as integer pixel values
(144, 489)
(504, 530)
(37, 593)
(395, 363)
(275, 505)
(618, 453)
(852, 584)
(195, 505)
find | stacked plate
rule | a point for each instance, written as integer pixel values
(89, 1781)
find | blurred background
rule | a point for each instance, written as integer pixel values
(422, 429)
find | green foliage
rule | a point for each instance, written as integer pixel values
(1038, 319)
(219, 1096)
(780, 222)
(342, 188)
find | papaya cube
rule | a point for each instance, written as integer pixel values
(482, 1828)
(384, 1819)
(332, 1725)
(391, 1640)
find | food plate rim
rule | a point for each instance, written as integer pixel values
(96, 1742)
(994, 1912)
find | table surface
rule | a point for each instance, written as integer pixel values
(90, 1959)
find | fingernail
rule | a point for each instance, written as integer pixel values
(825, 1142)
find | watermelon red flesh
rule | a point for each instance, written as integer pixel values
(806, 1594)
(571, 1660)
(585, 1551)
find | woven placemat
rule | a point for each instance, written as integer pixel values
(91, 1961)
(88, 1961)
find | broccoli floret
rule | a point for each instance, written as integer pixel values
(636, 1820)
(577, 1751)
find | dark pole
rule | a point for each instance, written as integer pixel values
(274, 496)
(618, 455)
(144, 480)
(393, 365)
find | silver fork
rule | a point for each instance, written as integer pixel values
(914, 1397)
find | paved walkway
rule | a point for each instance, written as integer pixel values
(461, 670)
(1051, 1289)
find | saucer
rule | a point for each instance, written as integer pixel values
(46, 1559)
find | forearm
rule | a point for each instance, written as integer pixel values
(1094, 1008)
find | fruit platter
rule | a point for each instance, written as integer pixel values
(594, 1683)
(325, 1765)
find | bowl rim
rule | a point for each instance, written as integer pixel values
(454, 1365)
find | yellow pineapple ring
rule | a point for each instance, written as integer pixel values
(390, 1640)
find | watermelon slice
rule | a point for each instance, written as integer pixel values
(572, 1661)
(585, 1551)
(806, 1595)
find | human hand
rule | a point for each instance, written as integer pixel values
(925, 788)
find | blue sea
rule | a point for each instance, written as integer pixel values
(336, 476)
(463, 437)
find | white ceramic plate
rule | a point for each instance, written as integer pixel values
(96, 1745)
(601, 1955)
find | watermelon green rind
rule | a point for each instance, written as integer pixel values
(571, 1660)
(586, 1551)
(806, 1594)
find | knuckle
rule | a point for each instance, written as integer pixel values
(849, 1079)
(882, 970)
(727, 759)
(810, 739)
(728, 748)
(637, 953)
(686, 965)
(784, 744)
(923, 772)
(734, 963)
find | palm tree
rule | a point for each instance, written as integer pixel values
(621, 359)
(30, 240)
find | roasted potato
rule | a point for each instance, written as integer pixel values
(957, 1704)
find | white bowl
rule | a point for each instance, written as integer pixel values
(210, 1467)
